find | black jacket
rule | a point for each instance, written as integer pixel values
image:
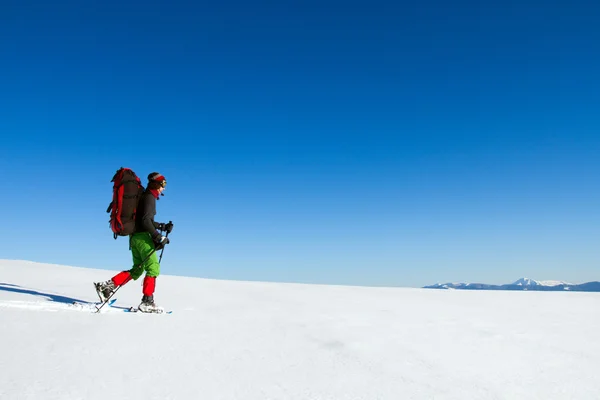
(144, 216)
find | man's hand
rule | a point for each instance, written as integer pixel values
(165, 227)
(160, 241)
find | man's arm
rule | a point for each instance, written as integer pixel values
(149, 207)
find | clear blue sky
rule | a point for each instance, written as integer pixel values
(392, 143)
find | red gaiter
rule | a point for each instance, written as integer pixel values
(149, 285)
(121, 278)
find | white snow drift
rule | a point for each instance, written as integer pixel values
(259, 341)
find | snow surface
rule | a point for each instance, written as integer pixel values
(258, 341)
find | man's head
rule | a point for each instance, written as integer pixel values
(157, 181)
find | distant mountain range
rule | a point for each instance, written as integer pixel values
(523, 284)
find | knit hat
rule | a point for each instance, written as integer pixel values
(158, 178)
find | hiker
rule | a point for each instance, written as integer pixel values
(144, 242)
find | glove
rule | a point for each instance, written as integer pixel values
(160, 241)
(165, 227)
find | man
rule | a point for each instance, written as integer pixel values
(144, 243)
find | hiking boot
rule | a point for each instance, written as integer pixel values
(147, 305)
(105, 289)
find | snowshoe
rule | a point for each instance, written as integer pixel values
(105, 289)
(148, 306)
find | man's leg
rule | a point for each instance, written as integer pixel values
(152, 271)
(138, 253)
(152, 268)
(136, 271)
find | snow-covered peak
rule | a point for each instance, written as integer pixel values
(526, 282)
(531, 282)
(554, 283)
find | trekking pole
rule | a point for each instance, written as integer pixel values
(163, 249)
(98, 308)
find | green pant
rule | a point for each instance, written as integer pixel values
(142, 245)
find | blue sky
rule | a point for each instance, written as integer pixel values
(365, 143)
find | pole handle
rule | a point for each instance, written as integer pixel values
(163, 249)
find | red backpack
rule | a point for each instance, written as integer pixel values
(127, 190)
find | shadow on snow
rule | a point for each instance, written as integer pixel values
(7, 287)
